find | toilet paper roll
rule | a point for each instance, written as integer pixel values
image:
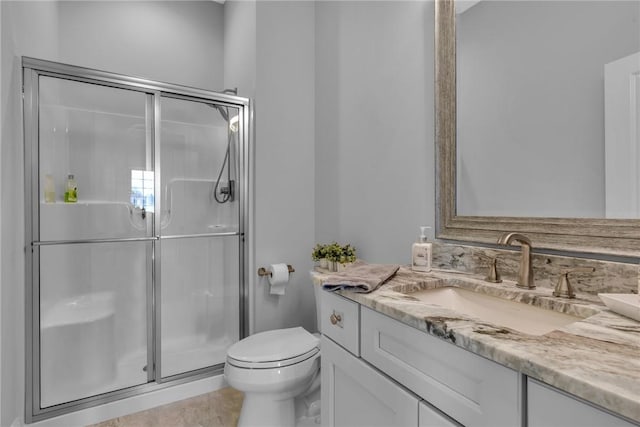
(279, 278)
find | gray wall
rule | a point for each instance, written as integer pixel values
(240, 46)
(374, 151)
(284, 163)
(344, 134)
(269, 57)
(531, 104)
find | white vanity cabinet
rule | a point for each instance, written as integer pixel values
(549, 407)
(355, 393)
(377, 371)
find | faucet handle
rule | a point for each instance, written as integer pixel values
(563, 288)
(493, 276)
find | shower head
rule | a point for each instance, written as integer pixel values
(222, 110)
(225, 193)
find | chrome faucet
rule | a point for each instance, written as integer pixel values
(525, 275)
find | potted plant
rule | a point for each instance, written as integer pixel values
(334, 256)
(319, 254)
(333, 251)
(347, 257)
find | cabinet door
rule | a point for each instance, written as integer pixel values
(355, 394)
(431, 417)
(548, 407)
(470, 389)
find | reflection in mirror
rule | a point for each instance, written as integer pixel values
(543, 126)
(545, 135)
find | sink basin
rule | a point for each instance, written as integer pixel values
(497, 311)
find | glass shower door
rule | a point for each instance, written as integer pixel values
(199, 234)
(134, 277)
(93, 266)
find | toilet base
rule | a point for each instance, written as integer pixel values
(309, 421)
(310, 417)
(261, 409)
(308, 403)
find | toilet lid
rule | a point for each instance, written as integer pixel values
(275, 346)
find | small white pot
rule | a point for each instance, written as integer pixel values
(342, 267)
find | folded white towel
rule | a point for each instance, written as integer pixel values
(360, 277)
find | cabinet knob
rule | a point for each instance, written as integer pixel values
(335, 319)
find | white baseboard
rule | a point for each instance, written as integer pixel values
(131, 405)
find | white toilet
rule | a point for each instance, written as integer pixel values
(279, 373)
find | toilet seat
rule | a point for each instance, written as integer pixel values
(273, 364)
(273, 349)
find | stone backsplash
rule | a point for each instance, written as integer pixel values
(608, 277)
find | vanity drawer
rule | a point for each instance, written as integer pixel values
(340, 321)
(470, 389)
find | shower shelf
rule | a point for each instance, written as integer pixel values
(82, 309)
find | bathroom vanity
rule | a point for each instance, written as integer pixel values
(389, 358)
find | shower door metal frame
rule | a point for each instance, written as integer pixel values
(153, 90)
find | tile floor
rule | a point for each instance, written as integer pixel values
(220, 408)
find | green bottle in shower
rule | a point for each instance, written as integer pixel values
(71, 190)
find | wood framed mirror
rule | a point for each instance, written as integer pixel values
(603, 236)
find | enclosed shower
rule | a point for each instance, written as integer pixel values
(140, 282)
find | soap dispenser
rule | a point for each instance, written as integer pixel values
(421, 252)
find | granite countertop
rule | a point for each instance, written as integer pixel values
(596, 358)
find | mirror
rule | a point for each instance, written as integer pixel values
(513, 156)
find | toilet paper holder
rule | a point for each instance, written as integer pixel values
(264, 272)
